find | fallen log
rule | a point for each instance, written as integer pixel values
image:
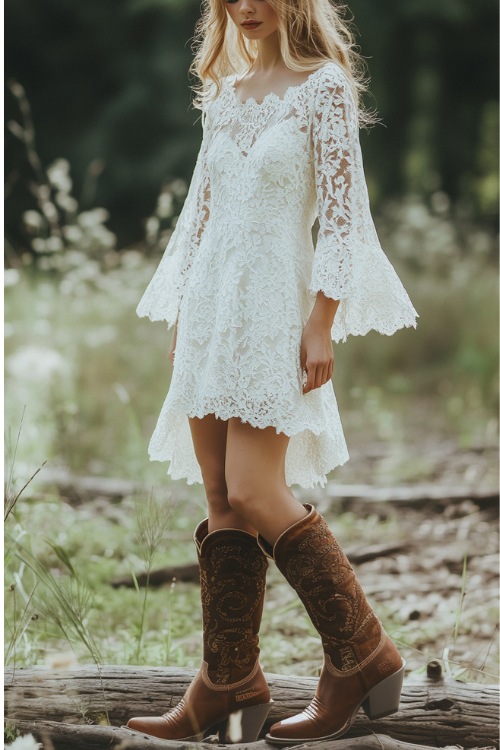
(432, 712)
(414, 495)
(190, 571)
(55, 736)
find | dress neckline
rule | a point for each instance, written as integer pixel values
(271, 95)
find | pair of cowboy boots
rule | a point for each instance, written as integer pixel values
(362, 667)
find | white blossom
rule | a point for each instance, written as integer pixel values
(33, 221)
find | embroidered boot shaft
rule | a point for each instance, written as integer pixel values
(229, 694)
(361, 665)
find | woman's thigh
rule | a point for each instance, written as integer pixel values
(209, 440)
(255, 459)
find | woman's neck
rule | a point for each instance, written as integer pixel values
(269, 57)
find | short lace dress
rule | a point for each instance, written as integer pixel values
(241, 271)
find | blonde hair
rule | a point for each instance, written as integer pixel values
(311, 33)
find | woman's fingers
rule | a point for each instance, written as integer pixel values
(330, 370)
(311, 372)
(317, 375)
(323, 376)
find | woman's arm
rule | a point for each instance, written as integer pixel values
(316, 351)
(349, 264)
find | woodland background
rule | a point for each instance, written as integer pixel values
(100, 146)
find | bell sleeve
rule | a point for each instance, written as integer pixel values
(349, 264)
(163, 295)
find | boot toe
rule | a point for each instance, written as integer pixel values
(152, 725)
(294, 728)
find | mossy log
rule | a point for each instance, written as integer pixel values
(70, 709)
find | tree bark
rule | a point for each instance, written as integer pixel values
(56, 736)
(432, 713)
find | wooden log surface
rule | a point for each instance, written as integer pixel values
(433, 713)
(56, 736)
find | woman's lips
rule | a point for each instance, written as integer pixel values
(252, 25)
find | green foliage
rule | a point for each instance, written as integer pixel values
(152, 522)
(106, 97)
(10, 733)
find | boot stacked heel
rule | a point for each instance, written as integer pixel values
(383, 699)
(244, 725)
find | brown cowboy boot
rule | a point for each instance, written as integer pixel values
(229, 693)
(362, 667)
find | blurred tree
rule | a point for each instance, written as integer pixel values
(109, 80)
(434, 71)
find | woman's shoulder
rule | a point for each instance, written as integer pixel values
(330, 74)
(334, 87)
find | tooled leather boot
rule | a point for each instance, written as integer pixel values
(229, 694)
(361, 667)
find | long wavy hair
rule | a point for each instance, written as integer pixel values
(311, 33)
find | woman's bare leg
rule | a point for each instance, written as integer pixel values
(209, 439)
(255, 479)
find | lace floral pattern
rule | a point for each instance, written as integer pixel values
(241, 271)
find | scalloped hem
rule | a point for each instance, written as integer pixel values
(311, 455)
(384, 329)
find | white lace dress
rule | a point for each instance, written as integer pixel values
(241, 271)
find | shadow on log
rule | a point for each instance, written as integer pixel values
(65, 707)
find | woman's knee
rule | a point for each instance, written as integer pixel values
(215, 491)
(244, 496)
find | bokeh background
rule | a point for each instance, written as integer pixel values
(100, 146)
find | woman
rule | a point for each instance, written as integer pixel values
(251, 408)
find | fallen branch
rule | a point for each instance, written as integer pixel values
(432, 712)
(190, 571)
(414, 495)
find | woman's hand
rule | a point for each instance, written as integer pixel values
(171, 352)
(316, 347)
(316, 355)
